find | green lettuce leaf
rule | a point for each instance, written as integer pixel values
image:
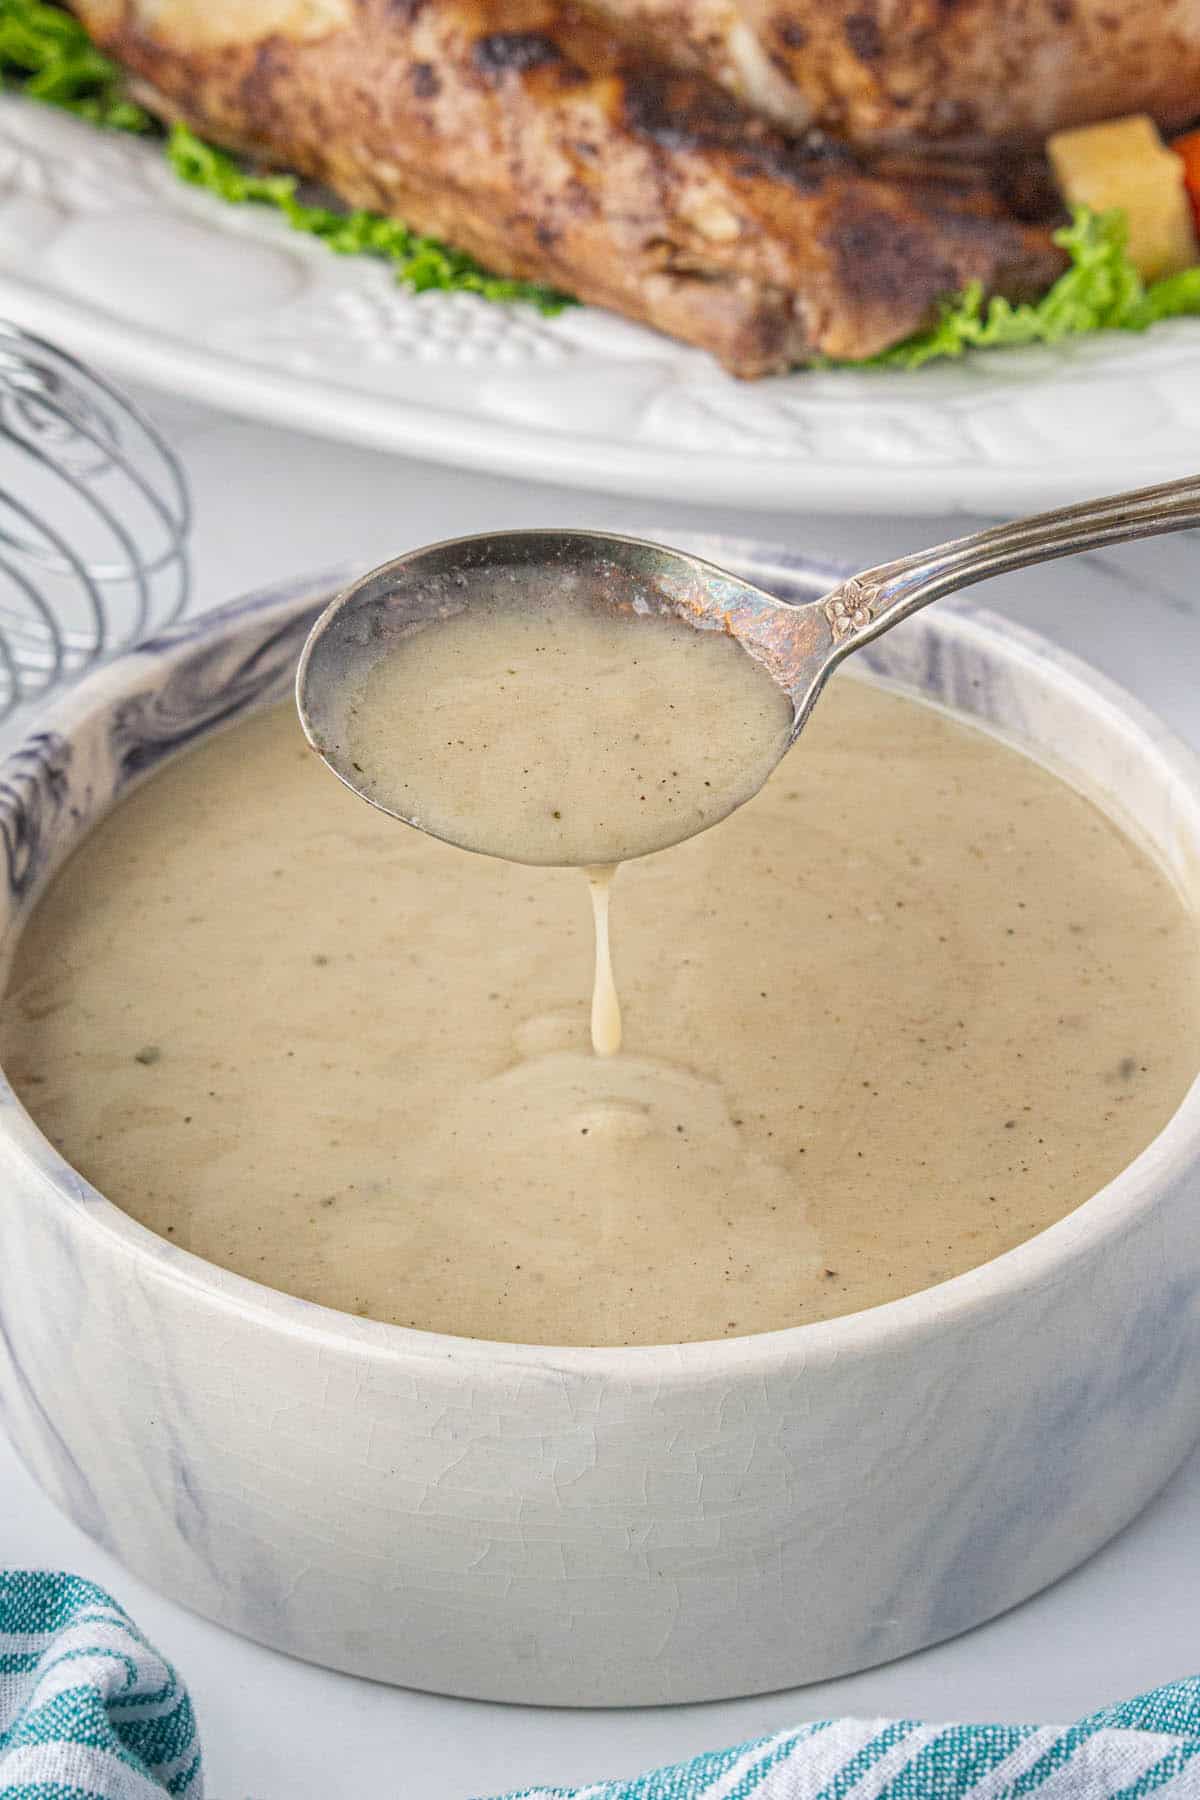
(46, 54)
(1101, 291)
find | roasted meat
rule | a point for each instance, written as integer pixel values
(918, 71)
(557, 149)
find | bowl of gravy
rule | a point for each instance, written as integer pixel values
(352, 1299)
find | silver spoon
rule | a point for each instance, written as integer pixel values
(799, 646)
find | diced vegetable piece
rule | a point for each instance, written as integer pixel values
(1187, 149)
(1124, 163)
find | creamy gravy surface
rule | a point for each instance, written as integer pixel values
(912, 1003)
(563, 733)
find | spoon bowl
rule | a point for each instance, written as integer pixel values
(797, 646)
(597, 572)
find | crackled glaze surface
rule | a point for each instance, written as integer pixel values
(104, 249)
(586, 1526)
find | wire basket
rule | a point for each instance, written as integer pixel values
(94, 521)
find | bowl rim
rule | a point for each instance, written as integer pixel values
(1035, 1263)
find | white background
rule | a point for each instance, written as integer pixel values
(271, 504)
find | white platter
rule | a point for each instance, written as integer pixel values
(105, 251)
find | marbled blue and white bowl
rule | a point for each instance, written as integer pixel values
(594, 1526)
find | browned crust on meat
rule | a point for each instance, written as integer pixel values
(555, 150)
(969, 72)
(975, 70)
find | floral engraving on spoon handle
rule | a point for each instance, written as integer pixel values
(851, 609)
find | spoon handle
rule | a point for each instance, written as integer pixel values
(869, 604)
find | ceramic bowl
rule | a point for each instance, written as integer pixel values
(594, 1526)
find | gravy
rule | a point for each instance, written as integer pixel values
(908, 1006)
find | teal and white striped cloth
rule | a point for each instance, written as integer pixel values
(1142, 1747)
(90, 1711)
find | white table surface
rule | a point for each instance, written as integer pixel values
(273, 503)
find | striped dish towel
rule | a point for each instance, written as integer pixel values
(1143, 1747)
(90, 1711)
